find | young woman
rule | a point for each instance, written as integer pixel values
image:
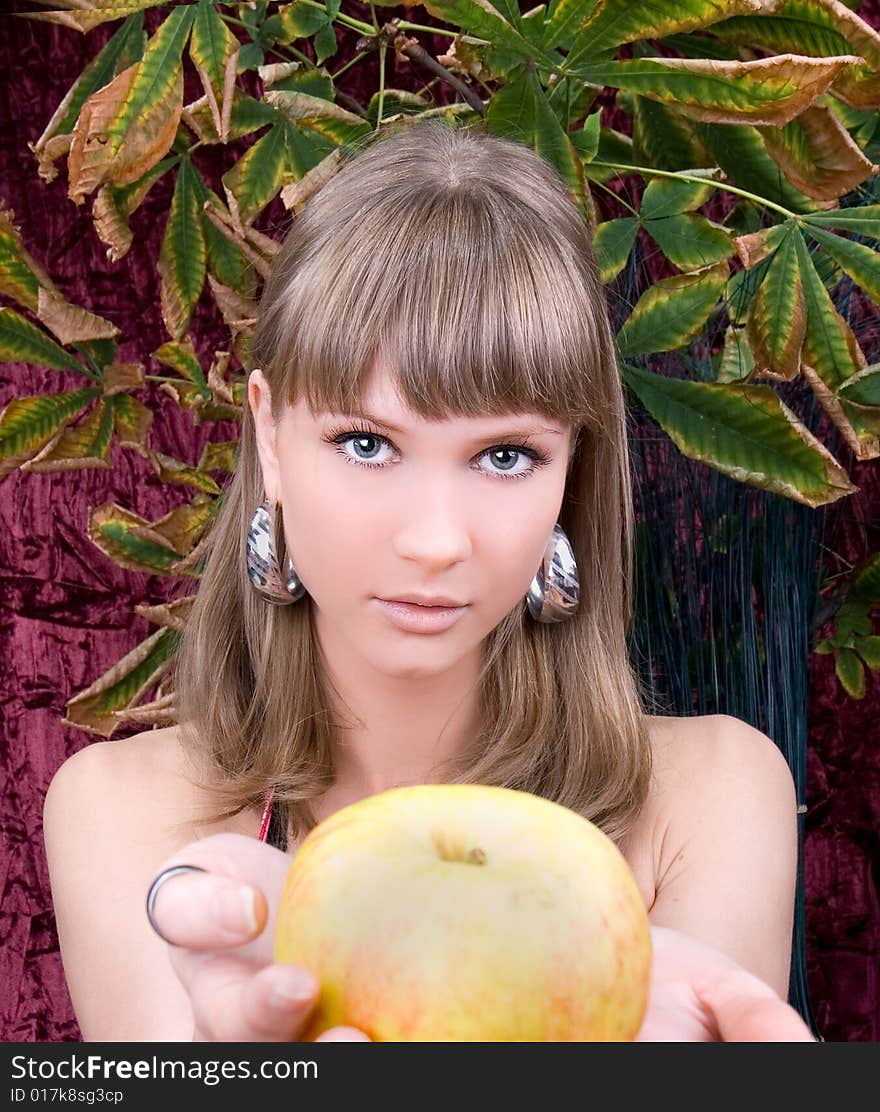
(422, 572)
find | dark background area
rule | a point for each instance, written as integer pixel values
(67, 612)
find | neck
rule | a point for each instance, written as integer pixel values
(396, 730)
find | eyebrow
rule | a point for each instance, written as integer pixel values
(520, 430)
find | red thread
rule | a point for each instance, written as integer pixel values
(267, 815)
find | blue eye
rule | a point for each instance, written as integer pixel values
(365, 443)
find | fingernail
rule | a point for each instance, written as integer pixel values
(235, 911)
(297, 988)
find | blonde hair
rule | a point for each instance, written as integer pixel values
(461, 259)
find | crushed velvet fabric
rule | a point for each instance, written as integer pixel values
(67, 612)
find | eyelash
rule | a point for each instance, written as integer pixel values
(340, 436)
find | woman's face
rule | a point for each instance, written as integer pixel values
(459, 508)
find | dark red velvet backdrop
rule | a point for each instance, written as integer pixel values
(66, 612)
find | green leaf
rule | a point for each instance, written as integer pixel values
(171, 470)
(745, 432)
(616, 22)
(567, 18)
(586, 140)
(668, 197)
(761, 91)
(863, 387)
(97, 708)
(28, 424)
(295, 21)
(868, 649)
(131, 421)
(802, 27)
(156, 76)
(664, 138)
(742, 155)
(613, 242)
(863, 219)
(690, 241)
(852, 617)
(829, 345)
(777, 316)
(325, 43)
(480, 18)
(211, 44)
(672, 312)
(18, 274)
(865, 584)
(223, 259)
(180, 357)
(250, 57)
(860, 262)
(126, 46)
(259, 174)
(182, 256)
(219, 456)
(851, 673)
(84, 444)
(737, 361)
(22, 342)
(519, 111)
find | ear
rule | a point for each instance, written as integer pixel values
(260, 401)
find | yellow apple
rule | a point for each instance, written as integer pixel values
(466, 913)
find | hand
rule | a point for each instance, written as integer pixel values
(227, 967)
(699, 994)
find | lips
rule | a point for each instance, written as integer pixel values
(426, 601)
(415, 618)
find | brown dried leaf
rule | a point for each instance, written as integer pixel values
(862, 447)
(226, 224)
(818, 155)
(169, 615)
(111, 224)
(69, 323)
(150, 140)
(295, 194)
(49, 153)
(121, 377)
(799, 79)
(239, 312)
(160, 712)
(756, 246)
(91, 153)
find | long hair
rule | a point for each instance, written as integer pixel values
(461, 259)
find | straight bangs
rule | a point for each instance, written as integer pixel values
(466, 296)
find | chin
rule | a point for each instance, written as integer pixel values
(413, 663)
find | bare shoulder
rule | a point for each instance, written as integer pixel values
(144, 780)
(722, 823)
(113, 813)
(704, 746)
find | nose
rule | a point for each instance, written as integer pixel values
(433, 528)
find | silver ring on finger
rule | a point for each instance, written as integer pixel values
(166, 874)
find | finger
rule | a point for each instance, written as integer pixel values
(201, 911)
(232, 1003)
(190, 911)
(745, 1009)
(344, 1034)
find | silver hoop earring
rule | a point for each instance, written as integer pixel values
(262, 561)
(554, 593)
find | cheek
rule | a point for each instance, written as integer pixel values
(332, 537)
